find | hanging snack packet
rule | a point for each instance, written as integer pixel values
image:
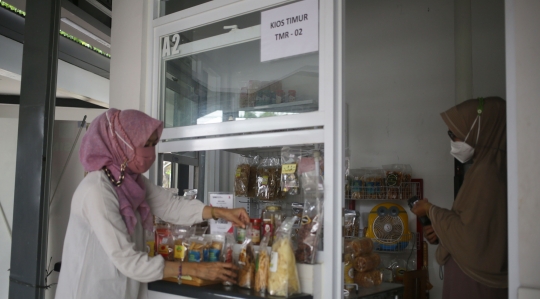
(263, 176)
(311, 225)
(262, 265)
(279, 194)
(274, 178)
(252, 188)
(241, 178)
(227, 252)
(289, 164)
(246, 262)
(310, 170)
(283, 276)
(348, 223)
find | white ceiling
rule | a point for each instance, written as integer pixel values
(21, 4)
(11, 86)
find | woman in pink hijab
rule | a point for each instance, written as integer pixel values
(104, 249)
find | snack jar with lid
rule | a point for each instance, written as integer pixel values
(255, 232)
(355, 183)
(240, 235)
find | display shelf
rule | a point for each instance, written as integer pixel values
(385, 290)
(275, 151)
(378, 192)
(282, 107)
(216, 291)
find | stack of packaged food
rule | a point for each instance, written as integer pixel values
(273, 269)
(361, 263)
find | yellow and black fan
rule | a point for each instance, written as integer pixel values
(388, 226)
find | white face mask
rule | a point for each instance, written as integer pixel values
(460, 149)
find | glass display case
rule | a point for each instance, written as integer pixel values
(214, 74)
(217, 98)
(210, 78)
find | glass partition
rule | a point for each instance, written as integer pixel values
(214, 74)
(171, 6)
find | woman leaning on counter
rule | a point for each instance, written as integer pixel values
(104, 249)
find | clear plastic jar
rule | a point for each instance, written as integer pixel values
(271, 218)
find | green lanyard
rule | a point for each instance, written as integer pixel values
(480, 106)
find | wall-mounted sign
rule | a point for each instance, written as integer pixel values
(290, 30)
(220, 200)
(168, 49)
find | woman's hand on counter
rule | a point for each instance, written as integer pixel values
(239, 217)
(210, 271)
(215, 271)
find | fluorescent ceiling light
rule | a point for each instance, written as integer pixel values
(90, 34)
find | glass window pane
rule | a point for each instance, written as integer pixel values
(171, 6)
(213, 75)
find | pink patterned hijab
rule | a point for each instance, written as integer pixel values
(111, 140)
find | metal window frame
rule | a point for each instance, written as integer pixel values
(324, 126)
(235, 9)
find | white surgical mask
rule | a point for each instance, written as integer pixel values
(460, 149)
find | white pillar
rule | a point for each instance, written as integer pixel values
(523, 76)
(128, 54)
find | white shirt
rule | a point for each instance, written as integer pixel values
(100, 259)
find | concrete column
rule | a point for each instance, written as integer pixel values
(27, 278)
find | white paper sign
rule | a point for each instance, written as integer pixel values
(220, 200)
(290, 30)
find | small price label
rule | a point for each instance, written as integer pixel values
(288, 168)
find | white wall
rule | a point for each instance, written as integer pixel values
(399, 74)
(8, 155)
(72, 81)
(488, 48)
(65, 133)
(128, 54)
(523, 67)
